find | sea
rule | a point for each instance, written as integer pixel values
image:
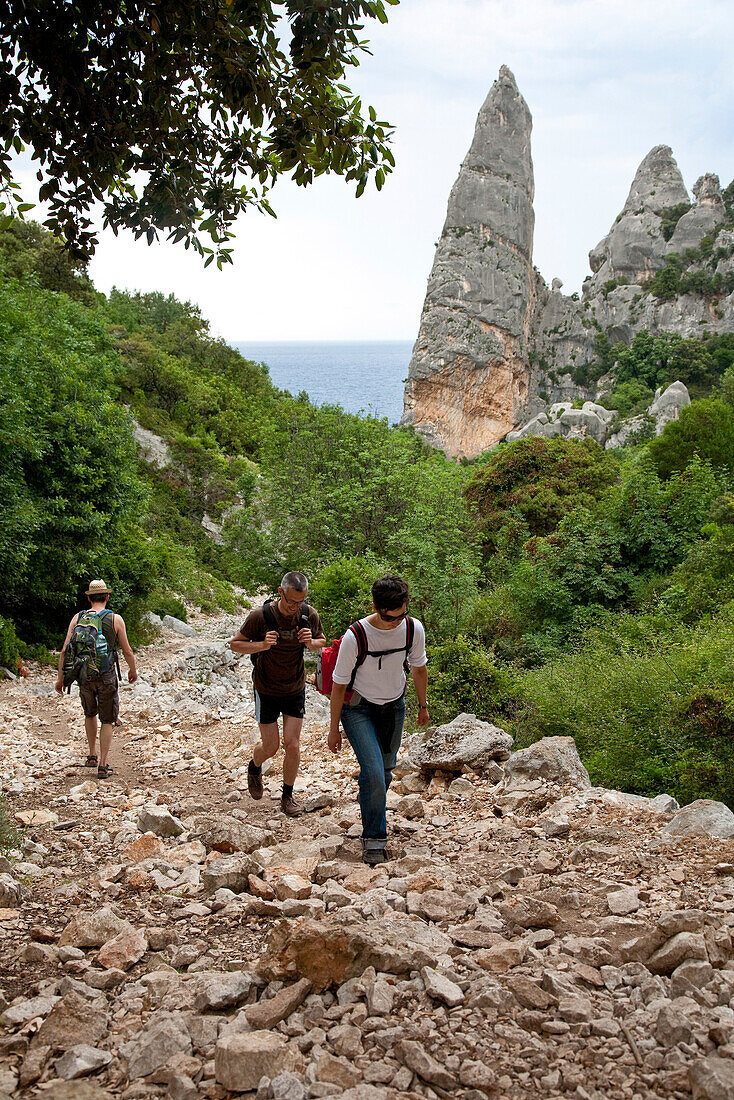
(361, 376)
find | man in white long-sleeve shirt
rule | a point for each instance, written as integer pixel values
(371, 665)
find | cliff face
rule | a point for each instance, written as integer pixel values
(468, 375)
(496, 346)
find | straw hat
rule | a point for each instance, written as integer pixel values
(98, 588)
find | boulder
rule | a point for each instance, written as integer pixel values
(154, 1046)
(684, 945)
(93, 929)
(147, 846)
(214, 991)
(441, 988)
(123, 950)
(667, 405)
(342, 946)
(178, 626)
(71, 1018)
(80, 1060)
(228, 873)
(159, 820)
(704, 817)
(578, 423)
(712, 1078)
(227, 834)
(287, 1086)
(414, 1056)
(465, 744)
(269, 1012)
(11, 893)
(552, 758)
(24, 1011)
(241, 1060)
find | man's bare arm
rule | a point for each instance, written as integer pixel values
(240, 644)
(59, 685)
(120, 629)
(420, 682)
(338, 691)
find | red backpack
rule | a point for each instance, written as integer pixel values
(326, 659)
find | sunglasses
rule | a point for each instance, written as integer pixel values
(393, 618)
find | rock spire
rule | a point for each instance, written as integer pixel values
(468, 378)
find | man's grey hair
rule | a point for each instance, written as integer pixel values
(295, 580)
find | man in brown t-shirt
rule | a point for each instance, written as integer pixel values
(276, 636)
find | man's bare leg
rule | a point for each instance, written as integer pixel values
(291, 760)
(269, 743)
(105, 740)
(267, 747)
(291, 748)
(90, 728)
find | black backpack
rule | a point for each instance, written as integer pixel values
(271, 622)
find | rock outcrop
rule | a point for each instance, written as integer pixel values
(497, 347)
(597, 422)
(468, 379)
(634, 248)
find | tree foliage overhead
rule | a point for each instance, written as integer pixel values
(178, 116)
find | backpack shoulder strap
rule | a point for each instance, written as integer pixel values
(270, 620)
(409, 634)
(360, 634)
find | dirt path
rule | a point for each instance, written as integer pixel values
(507, 949)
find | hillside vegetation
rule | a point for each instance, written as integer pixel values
(565, 590)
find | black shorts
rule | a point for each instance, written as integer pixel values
(268, 708)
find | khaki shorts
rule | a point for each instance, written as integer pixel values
(101, 697)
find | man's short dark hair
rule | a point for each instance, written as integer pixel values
(389, 593)
(295, 580)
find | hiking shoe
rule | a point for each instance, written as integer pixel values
(290, 807)
(255, 784)
(374, 856)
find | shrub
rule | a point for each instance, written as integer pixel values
(10, 835)
(671, 216)
(163, 603)
(341, 592)
(464, 678)
(9, 645)
(540, 480)
(650, 704)
(704, 428)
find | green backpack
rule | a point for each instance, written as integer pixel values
(89, 653)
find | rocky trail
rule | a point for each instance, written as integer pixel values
(162, 934)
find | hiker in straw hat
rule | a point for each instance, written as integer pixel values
(89, 655)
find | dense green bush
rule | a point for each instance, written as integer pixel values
(650, 704)
(341, 592)
(9, 645)
(10, 835)
(704, 428)
(538, 480)
(68, 468)
(465, 678)
(334, 486)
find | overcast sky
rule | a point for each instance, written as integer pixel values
(605, 81)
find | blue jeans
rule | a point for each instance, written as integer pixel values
(375, 764)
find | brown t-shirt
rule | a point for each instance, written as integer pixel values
(280, 669)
